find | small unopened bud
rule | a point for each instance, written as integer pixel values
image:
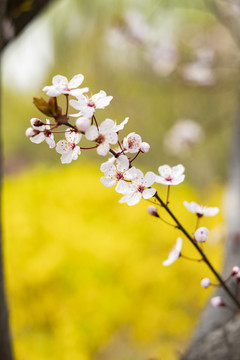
(37, 123)
(82, 124)
(152, 210)
(217, 301)
(201, 234)
(144, 147)
(30, 132)
(205, 283)
(235, 270)
(237, 276)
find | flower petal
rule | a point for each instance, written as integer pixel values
(76, 81)
(92, 133)
(148, 193)
(106, 126)
(108, 182)
(59, 80)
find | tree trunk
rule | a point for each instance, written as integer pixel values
(14, 16)
(218, 334)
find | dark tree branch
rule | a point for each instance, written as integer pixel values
(15, 15)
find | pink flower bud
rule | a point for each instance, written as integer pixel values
(205, 283)
(37, 122)
(217, 301)
(30, 132)
(235, 270)
(152, 210)
(82, 124)
(237, 276)
(201, 234)
(144, 147)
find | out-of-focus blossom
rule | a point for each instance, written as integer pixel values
(217, 301)
(132, 143)
(170, 175)
(205, 283)
(201, 234)
(152, 210)
(163, 56)
(175, 253)
(104, 136)
(182, 136)
(138, 187)
(61, 85)
(68, 148)
(235, 270)
(201, 210)
(198, 73)
(137, 28)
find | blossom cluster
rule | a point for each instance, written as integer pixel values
(118, 169)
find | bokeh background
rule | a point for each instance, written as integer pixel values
(84, 274)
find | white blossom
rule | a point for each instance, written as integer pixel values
(132, 143)
(61, 85)
(30, 132)
(235, 270)
(175, 253)
(119, 127)
(170, 175)
(68, 147)
(198, 73)
(205, 283)
(201, 234)
(41, 133)
(200, 210)
(87, 105)
(83, 123)
(184, 133)
(114, 173)
(217, 301)
(152, 210)
(137, 187)
(104, 136)
(144, 147)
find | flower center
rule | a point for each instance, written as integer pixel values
(47, 132)
(131, 143)
(100, 139)
(168, 178)
(73, 145)
(91, 103)
(141, 188)
(119, 175)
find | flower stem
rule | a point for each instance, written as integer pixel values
(135, 156)
(191, 259)
(66, 103)
(168, 193)
(89, 148)
(205, 259)
(95, 121)
(197, 223)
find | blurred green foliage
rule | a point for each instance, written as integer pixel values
(84, 273)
